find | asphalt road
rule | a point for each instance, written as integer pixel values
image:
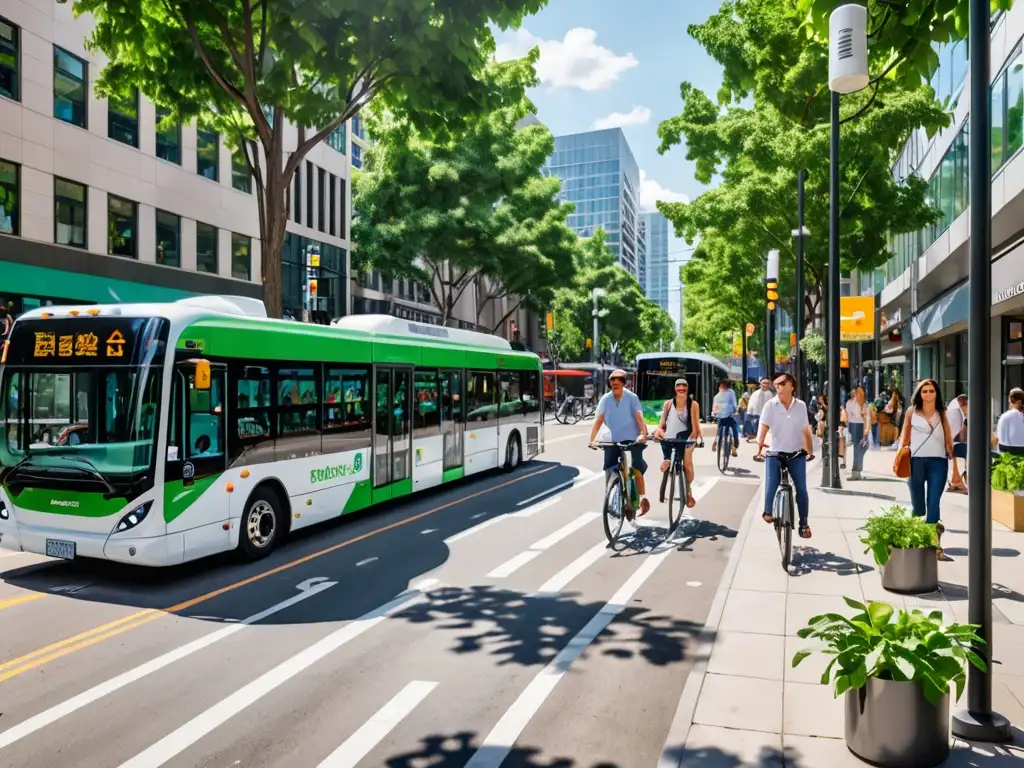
(482, 625)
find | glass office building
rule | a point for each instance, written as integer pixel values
(600, 176)
(655, 227)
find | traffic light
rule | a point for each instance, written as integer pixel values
(771, 293)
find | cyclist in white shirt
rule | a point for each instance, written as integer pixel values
(786, 417)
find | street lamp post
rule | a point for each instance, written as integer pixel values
(800, 233)
(771, 279)
(978, 722)
(596, 295)
(847, 73)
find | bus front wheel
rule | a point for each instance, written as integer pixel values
(261, 524)
(514, 452)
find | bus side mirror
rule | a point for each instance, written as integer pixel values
(202, 378)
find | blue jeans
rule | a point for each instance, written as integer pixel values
(797, 467)
(927, 482)
(729, 422)
(856, 432)
(611, 458)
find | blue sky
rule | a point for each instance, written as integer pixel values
(620, 62)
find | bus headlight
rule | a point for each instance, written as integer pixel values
(133, 518)
(4, 513)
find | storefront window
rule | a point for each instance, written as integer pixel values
(925, 362)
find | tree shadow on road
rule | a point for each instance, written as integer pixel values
(809, 560)
(529, 631)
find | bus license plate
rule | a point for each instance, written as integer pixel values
(65, 550)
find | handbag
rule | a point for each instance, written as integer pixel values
(901, 464)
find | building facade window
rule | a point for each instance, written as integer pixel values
(123, 118)
(241, 176)
(357, 127)
(297, 196)
(168, 239)
(332, 182)
(10, 60)
(341, 209)
(70, 88)
(10, 190)
(321, 183)
(1007, 104)
(70, 213)
(207, 154)
(241, 256)
(357, 156)
(206, 248)
(309, 222)
(168, 138)
(337, 139)
(122, 217)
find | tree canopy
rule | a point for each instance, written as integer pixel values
(631, 323)
(246, 66)
(468, 208)
(769, 121)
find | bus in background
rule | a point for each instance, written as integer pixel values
(155, 434)
(656, 374)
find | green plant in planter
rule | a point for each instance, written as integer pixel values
(896, 527)
(1008, 473)
(904, 646)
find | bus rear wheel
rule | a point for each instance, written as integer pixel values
(514, 452)
(261, 524)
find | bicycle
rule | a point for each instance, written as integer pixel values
(725, 447)
(782, 505)
(621, 496)
(676, 469)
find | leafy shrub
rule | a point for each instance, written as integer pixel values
(896, 527)
(813, 347)
(905, 646)
(1008, 473)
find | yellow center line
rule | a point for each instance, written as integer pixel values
(37, 658)
(19, 600)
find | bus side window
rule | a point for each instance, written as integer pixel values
(206, 418)
(174, 428)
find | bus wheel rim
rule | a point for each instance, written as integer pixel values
(261, 524)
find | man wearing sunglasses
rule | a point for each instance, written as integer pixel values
(622, 411)
(785, 415)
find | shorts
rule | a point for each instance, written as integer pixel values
(611, 458)
(666, 449)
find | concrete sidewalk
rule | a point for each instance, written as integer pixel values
(745, 705)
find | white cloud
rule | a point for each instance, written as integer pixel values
(635, 116)
(651, 192)
(575, 61)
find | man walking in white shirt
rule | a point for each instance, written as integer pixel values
(956, 414)
(755, 405)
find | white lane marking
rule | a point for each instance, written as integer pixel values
(475, 529)
(557, 583)
(585, 476)
(511, 566)
(693, 583)
(425, 531)
(358, 745)
(540, 507)
(548, 492)
(49, 716)
(503, 736)
(367, 561)
(177, 742)
(582, 436)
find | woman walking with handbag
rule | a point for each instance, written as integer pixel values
(925, 448)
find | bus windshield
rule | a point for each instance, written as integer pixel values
(84, 417)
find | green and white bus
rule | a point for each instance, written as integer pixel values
(155, 434)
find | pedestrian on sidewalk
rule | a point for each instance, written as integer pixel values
(1010, 429)
(926, 433)
(858, 420)
(956, 414)
(755, 404)
(895, 410)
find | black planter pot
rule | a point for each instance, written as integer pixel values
(911, 571)
(892, 725)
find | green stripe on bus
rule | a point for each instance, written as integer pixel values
(360, 498)
(453, 474)
(77, 503)
(178, 497)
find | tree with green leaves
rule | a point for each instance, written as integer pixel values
(631, 323)
(244, 67)
(468, 209)
(758, 148)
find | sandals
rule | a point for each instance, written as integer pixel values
(768, 517)
(804, 531)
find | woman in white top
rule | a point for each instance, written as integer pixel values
(680, 420)
(858, 421)
(926, 432)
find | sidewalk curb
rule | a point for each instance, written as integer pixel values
(679, 731)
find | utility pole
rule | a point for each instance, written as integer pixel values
(800, 233)
(978, 722)
(771, 283)
(597, 294)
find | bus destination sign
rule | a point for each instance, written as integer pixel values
(55, 344)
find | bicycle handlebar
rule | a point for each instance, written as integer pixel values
(677, 441)
(624, 445)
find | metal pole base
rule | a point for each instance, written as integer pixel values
(990, 727)
(826, 472)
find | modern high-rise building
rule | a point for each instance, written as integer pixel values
(98, 204)
(922, 292)
(600, 176)
(655, 226)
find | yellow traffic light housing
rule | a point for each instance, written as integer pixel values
(771, 292)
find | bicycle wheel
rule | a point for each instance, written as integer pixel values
(614, 502)
(675, 506)
(724, 449)
(784, 524)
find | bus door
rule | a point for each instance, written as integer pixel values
(392, 432)
(453, 421)
(427, 440)
(194, 502)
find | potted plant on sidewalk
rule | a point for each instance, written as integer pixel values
(895, 669)
(1008, 491)
(905, 548)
